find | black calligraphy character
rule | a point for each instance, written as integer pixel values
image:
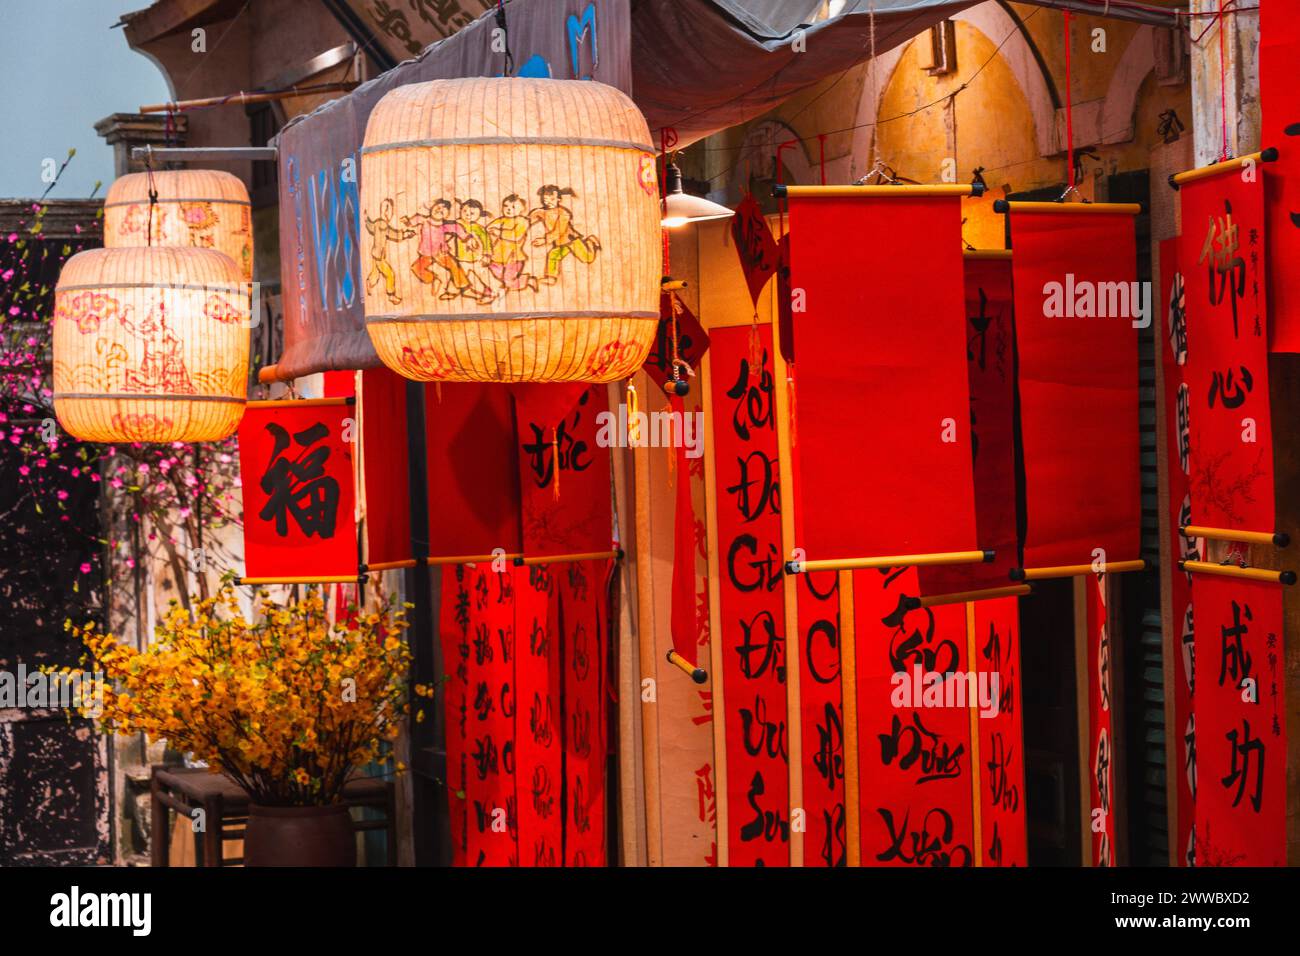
(759, 492)
(761, 647)
(1220, 255)
(299, 487)
(1231, 394)
(753, 400)
(1244, 749)
(829, 758)
(915, 743)
(485, 756)
(1235, 660)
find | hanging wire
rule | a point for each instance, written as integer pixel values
(505, 35)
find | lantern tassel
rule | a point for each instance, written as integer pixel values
(555, 458)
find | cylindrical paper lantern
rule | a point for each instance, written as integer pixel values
(150, 344)
(511, 231)
(196, 207)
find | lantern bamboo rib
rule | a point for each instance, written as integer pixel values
(964, 597)
(1204, 172)
(697, 674)
(906, 190)
(507, 141)
(891, 561)
(152, 396)
(532, 560)
(1084, 208)
(510, 316)
(1279, 539)
(303, 402)
(1265, 575)
(1075, 570)
(179, 199)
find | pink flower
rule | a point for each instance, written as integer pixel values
(85, 567)
(24, 470)
(63, 495)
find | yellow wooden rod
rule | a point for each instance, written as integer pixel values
(563, 558)
(469, 558)
(890, 561)
(268, 374)
(904, 189)
(303, 402)
(672, 285)
(309, 579)
(390, 565)
(1074, 570)
(987, 253)
(1095, 208)
(697, 674)
(1279, 539)
(964, 597)
(1231, 571)
(1191, 175)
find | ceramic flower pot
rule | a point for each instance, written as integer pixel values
(299, 836)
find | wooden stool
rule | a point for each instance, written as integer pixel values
(225, 809)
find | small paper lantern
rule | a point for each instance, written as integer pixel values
(150, 344)
(196, 207)
(511, 231)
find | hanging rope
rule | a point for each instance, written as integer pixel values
(1223, 82)
(505, 36)
(1069, 109)
(153, 195)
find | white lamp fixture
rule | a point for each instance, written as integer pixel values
(681, 207)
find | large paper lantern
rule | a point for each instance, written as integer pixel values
(511, 231)
(150, 344)
(195, 207)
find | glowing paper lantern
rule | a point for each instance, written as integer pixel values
(511, 231)
(196, 207)
(150, 345)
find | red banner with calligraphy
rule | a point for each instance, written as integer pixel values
(1221, 252)
(883, 402)
(386, 480)
(564, 470)
(1101, 729)
(1171, 340)
(822, 719)
(1241, 741)
(1279, 51)
(914, 726)
(991, 372)
(477, 629)
(751, 607)
(754, 245)
(1005, 838)
(299, 496)
(539, 760)
(1077, 300)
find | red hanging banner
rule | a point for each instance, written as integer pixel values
(822, 719)
(754, 245)
(477, 630)
(384, 446)
(751, 607)
(1221, 252)
(991, 372)
(1279, 51)
(1171, 340)
(1241, 741)
(914, 726)
(1101, 736)
(473, 470)
(692, 341)
(883, 409)
(298, 482)
(1005, 839)
(584, 632)
(539, 728)
(1077, 300)
(564, 467)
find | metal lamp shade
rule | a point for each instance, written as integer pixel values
(511, 231)
(150, 345)
(203, 208)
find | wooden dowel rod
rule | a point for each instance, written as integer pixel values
(1279, 539)
(965, 597)
(1074, 570)
(697, 674)
(1263, 156)
(904, 189)
(1231, 571)
(890, 561)
(987, 253)
(439, 560)
(268, 375)
(525, 561)
(1095, 208)
(309, 579)
(303, 402)
(242, 98)
(391, 565)
(672, 285)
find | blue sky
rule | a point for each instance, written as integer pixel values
(66, 68)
